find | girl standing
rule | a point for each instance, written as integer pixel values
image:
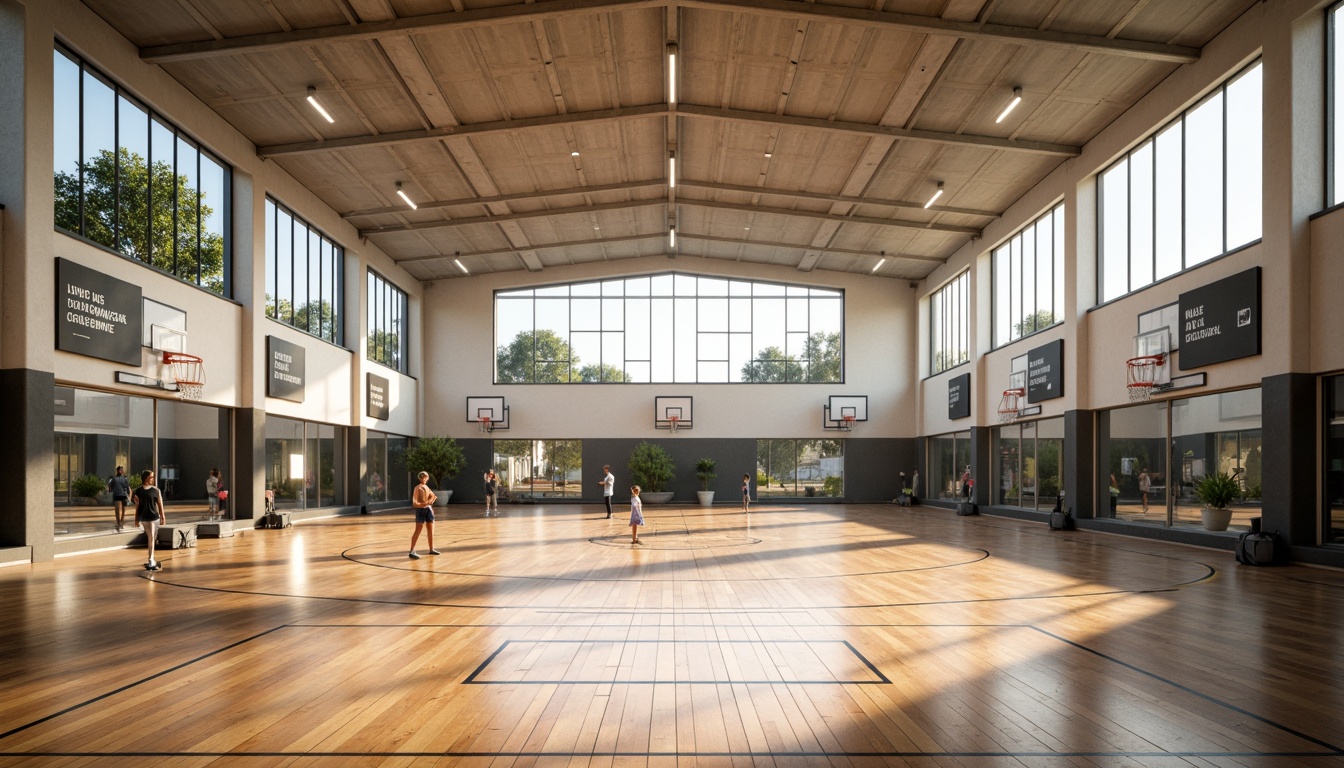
(636, 514)
(120, 488)
(491, 493)
(149, 513)
(746, 493)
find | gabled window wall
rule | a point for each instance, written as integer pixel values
(304, 275)
(1189, 193)
(1029, 279)
(949, 325)
(387, 323)
(129, 180)
(670, 327)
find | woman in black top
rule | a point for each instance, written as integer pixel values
(149, 513)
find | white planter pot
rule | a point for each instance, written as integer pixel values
(661, 497)
(1215, 519)
(706, 498)
(443, 497)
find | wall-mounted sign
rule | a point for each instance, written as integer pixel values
(1045, 372)
(1220, 321)
(959, 397)
(63, 399)
(377, 397)
(96, 314)
(286, 366)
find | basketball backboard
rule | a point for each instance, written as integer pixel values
(843, 411)
(1152, 343)
(493, 408)
(164, 327)
(668, 407)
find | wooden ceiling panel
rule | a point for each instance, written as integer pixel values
(514, 65)
(153, 23)
(268, 122)
(883, 66)
(608, 60)
(435, 171)
(814, 161)
(449, 58)
(299, 14)
(220, 81)
(826, 64)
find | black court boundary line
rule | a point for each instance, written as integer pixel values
(135, 683)
(984, 555)
(1332, 749)
(471, 679)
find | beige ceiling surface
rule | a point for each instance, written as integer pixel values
(808, 135)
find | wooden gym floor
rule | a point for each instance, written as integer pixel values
(861, 636)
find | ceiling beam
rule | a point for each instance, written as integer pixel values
(446, 223)
(887, 131)
(514, 198)
(747, 208)
(451, 131)
(827, 198)
(535, 247)
(682, 110)
(514, 14)
(814, 249)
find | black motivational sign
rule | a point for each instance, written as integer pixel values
(97, 315)
(377, 399)
(959, 397)
(286, 379)
(1220, 321)
(1045, 372)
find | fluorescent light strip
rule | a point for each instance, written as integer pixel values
(879, 265)
(672, 76)
(403, 196)
(312, 99)
(672, 238)
(936, 195)
(1017, 99)
(458, 262)
(672, 171)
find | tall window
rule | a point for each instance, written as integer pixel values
(949, 456)
(1188, 194)
(671, 327)
(303, 275)
(127, 179)
(1029, 279)
(949, 318)
(1335, 115)
(387, 323)
(539, 468)
(1028, 463)
(800, 468)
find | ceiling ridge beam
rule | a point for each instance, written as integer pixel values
(929, 227)
(406, 25)
(513, 14)
(829, 198)
(535, 247)
(894, 132)
(816, 249)
(451, 131)
(934, 25)
(513, 198)
(446, 223)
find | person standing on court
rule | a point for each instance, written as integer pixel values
(149, 513)
(966, 483)
(636, 514)
(608, 487)
(491, 491)
(1145, 484)
(212, 492)
(119, 485)
(746, 493)
(423, 501)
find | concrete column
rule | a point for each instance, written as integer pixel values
(1289, 452)
(982, 457)
(247, 496)
(1078, 466)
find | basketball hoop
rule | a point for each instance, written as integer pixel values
(1142, 377)
(847, 423)
(1010, 405)
(673, 421)
(189, 373)
(485, 424)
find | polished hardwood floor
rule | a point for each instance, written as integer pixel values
(859, 636)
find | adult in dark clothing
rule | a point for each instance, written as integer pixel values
(120, 488)
(149, 513)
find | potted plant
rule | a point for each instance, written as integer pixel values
(89, 487)
(652, 469)
(1215, 492)
(704, 469)
(442, 458)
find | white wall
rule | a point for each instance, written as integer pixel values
(879, 363)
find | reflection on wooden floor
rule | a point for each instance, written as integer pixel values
(854, 636)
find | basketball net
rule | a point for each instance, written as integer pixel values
(847, 423)
(1010, 405)
(1142, 377)
(673, 420)
(189, 374)
(485, 424)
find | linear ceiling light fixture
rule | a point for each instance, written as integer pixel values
(672, 73)
(672, 170)
(458, 262)
(403, 196)
(880, 263)
(936, 195)
(312, 99)
(672, 238)
(1017, 99)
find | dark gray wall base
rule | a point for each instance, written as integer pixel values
(1330, 556)
(1197, 538)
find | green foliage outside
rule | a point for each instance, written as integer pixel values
(384, 346)
(704, 469)
(316, 317)
(820, 362)
(1217, 490)
(539, 357)
(142, 229)
(441, 457)
(88, 486)
(651, 468)
(1036, 321)
(833, 486)
(565, 456)
(949, 359)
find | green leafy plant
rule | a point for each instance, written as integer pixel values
(651, 468)
(704, 469)
(1217, 490)
(88, 486)
(833, 486)
(441, 457)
